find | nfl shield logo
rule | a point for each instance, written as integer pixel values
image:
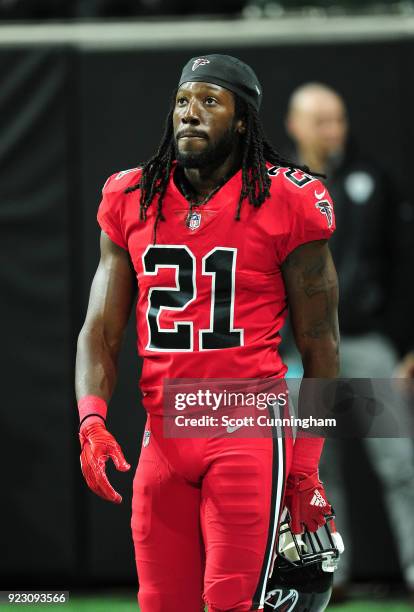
(194, 220)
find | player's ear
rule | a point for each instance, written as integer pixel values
(240, 126)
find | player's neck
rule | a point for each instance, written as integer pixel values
(204, 180)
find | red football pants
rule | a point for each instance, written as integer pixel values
(205, 514)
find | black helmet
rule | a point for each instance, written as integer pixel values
(303, 570)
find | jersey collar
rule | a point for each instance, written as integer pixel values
(229, 192)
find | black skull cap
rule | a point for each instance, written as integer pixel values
(226, 71)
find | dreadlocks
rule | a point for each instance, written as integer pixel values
(256, 151)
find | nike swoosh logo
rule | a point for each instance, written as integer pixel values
(233, 429)
(319, 196)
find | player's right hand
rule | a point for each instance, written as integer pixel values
(97, 446)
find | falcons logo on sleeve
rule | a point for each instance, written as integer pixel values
(325, 208)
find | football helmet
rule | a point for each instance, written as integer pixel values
(302, 575)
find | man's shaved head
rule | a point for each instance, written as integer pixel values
(317, 121)
(309, 94)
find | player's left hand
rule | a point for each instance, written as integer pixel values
(306, 501)
(98, 445)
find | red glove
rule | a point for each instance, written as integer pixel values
(97, 446)
(306, 502)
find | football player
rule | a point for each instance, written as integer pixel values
(220, 234)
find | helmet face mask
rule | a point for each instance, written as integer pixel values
(303, 570)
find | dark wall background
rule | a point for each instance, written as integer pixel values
(68, 120)
(38, 523)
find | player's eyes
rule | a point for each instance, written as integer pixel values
(209, 101)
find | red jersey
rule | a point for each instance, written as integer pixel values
(212, 300)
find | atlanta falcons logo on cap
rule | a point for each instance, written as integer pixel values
(325, 208)
(201, 61)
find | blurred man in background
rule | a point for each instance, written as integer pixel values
(365, 207)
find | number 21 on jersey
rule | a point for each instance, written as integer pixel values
(220, 265)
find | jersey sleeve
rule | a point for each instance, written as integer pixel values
(309, 216)
(110, 216)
